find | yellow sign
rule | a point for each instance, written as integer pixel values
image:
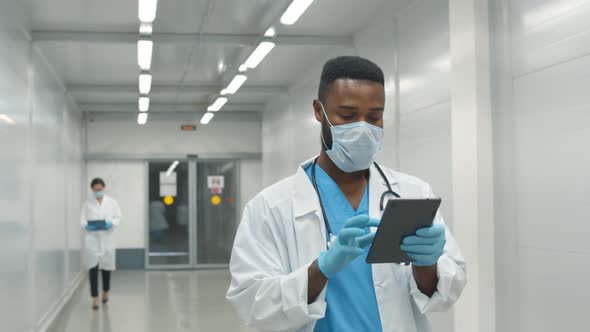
(168, 200)
(215, 200)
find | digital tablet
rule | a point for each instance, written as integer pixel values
(98, 224)
(402, 217)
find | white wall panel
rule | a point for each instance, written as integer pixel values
(552, 298)
(48, 180)
(15, 171)
(425, 125)
(124, 138)
(542, 126)
(40, 177)
(548, 32)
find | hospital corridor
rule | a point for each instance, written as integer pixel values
(294, 165)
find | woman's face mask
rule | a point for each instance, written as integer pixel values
(354, 145)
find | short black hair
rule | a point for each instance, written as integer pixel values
(352, 67)
(96, 181)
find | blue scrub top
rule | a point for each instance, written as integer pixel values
(350, 297)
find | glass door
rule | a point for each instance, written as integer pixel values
(217, 211)
(168, 214)
(192, 212)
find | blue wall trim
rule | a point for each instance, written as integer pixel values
(131, 259)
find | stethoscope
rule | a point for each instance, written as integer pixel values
(331, 236)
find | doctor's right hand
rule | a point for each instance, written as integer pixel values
(350, 244)
(90, 227)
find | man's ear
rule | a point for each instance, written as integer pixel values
(317, 110)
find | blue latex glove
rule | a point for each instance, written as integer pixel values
(108, 224)
(426, 247)
(89, 227)
(350, 244)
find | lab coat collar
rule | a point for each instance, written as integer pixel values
(306, 200)
(305, 197)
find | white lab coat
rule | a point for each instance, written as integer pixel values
(99, 246)
(282, 233)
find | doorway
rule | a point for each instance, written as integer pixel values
(192, 213)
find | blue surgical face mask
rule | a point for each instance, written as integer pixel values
(354, 145)
(99, 194)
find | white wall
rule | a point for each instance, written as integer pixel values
(41, 169)
(126, 180)
(542, 126)
(128, 138)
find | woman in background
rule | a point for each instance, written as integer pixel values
(99, 242)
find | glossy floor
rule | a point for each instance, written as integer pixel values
(155, 301)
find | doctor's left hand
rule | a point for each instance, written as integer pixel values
(108, 224)
(426, 246)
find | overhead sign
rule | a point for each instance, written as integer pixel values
(187, 127)
(216, 183)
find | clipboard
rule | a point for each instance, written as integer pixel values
(98, 224)
(402, 217)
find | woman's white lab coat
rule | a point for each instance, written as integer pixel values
(282, 233)
(99, 246)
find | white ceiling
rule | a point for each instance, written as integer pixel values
(101, 71)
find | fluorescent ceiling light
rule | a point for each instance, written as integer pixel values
(259, 53)
(144, 54)
(6, 119)
(145, 28)
(294, 11)
(142, 118)
(171, 168)
(147, 10)
(242, 68)
(217, 105)
(235, 84)
(270, 32)
(223, 92)
(145, 83)
(144, 104)
(207, 118)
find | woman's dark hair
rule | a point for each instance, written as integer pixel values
(96, 181)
